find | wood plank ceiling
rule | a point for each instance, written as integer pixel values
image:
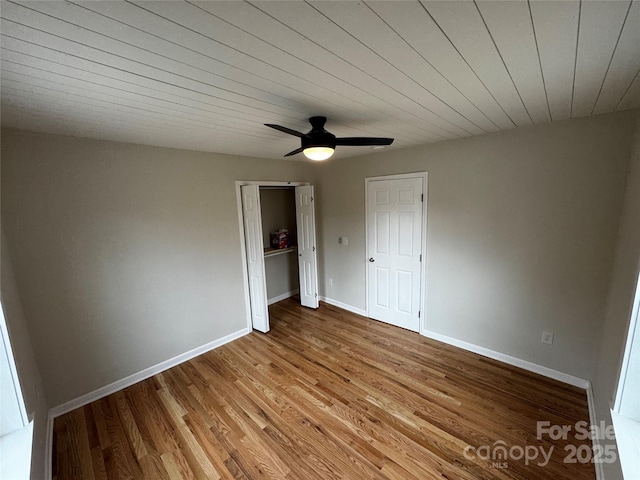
(207, 75)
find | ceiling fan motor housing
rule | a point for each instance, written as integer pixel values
(318, 136)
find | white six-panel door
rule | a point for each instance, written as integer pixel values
(255, 257)
(394, 240)
(307, 255)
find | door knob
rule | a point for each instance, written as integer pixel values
(372, 259)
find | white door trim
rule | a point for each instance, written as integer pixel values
(423, 247)
(634, 321)
(243, 247)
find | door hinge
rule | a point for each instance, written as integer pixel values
(316, 295)
(314, 248)
(420, 257)
(418, 313)
(422, 197)
(312, 199)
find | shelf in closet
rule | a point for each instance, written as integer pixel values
(270, 252)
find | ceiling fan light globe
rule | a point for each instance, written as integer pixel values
(318, 153)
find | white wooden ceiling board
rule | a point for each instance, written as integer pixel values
(42, 68)
(116, 52)
(252, 67)
(145, 83)
(36, 121)
(207, 76)
(464, 27)
(369, 29)
(600, 26)
(512, 30)
(252, 19)
(556, 25)
(92, 110)
(631, 98)
(79, 15)
(272, 31)
(66, 122)
(57, 112)
(383, 108)
(142, 20)
(69, 125)
(70, 88)
(221, 123)
(415, 25)
(297, 17)
(624, 66)
(145, 114)
(28, 75)
(380, 78)
(374, 50)
(245, 42)
(25, 75)
(119, 65)
(60, 119)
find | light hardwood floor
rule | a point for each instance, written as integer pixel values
(326, 394)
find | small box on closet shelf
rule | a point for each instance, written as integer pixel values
(280, 239)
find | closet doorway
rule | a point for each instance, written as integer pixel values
(277, 264)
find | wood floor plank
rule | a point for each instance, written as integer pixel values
(326, 394)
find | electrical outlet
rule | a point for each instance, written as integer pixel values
(331, 282)
(547, 337)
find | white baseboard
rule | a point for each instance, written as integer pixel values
(595, 440)
(142, 375)
(284, 296)
(508, 359)
(344, 306)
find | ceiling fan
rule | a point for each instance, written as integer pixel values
(318, 144)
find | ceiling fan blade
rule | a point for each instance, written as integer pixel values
(363, 141)
(286, 130)
(294, 152)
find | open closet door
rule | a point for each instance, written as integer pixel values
(255, 257)
(307, 260)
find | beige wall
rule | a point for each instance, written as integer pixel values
(521, 232)
(125, 255)
(281, 273)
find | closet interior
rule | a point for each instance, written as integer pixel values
(279, 235)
